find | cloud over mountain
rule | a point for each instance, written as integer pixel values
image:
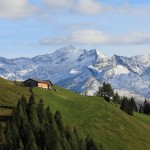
(91, 37)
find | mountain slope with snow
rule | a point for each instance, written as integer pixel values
(83, 71)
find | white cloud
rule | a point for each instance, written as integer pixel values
(58, 3)
(96, 7)
(89, 7)
(80, 37)
(89, 37)
(94, 37)
(15, 8)
(133, 38)
(78, 6)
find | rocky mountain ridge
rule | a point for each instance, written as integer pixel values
(84, 71)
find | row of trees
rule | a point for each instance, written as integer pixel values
(145, 108)
(33, 127)
(127, 105)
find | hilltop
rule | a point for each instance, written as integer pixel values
(91, 115)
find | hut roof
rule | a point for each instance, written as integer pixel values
(40, 81)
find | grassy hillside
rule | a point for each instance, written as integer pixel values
(91, 115)
(9, 94)
(103, 120)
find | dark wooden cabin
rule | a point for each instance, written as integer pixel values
(46, 84)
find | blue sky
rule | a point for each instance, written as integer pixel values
(34, 27)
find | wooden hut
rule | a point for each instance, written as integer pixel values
(46, 84)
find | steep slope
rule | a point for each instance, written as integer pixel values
(71, 68)
(103, 120)
(10, 93)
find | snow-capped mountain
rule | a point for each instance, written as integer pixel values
(83, 71)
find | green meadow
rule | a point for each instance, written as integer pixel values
(91, 115)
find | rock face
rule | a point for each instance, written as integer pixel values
(83, 71)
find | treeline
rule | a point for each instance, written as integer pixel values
(127, 105)
(32, 127)
(145, 108)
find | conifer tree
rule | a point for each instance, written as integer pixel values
(134, 107)
(99, 93)
(8, 135)
(141, 109)
(127, 106)
(31, 141)
(146, 108)
(116, 98)
(23, 103)
(2, 136)
(41, 111)
(15, 134)
(76, 136)
(90, 144)
(107, 90)
(52, 134)
(70, 136)
(20, 145)
(58, 120)
(82, 144)
(32, 114)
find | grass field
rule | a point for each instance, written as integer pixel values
(103, 120)
(9, 94)
(91, 115)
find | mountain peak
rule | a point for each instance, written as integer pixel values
(66, 48)
(101, 55)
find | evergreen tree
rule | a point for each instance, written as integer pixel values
(15, 134)
(52, 134)
(58, 120)
(41, 112)
(99, 93)
(76, 136)
(134, 107)
(146, 108)
(127, 106)
(116, 98)
(23, 103)
(2, 136)
(8, 135)
(141, 109)
(70, 136)
(20, 146)
(123, 104)
(82, 144)
(19, 114)
(90, 144)
(31, 141)
(32, 114)
(107, 90)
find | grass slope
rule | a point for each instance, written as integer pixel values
(103, 120)
(91, 115)
(9, 94)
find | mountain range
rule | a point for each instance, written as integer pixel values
(84, 71)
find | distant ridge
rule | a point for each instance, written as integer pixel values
(71, 68)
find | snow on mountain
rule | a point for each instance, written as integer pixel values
(83, 71)
(89, 87)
